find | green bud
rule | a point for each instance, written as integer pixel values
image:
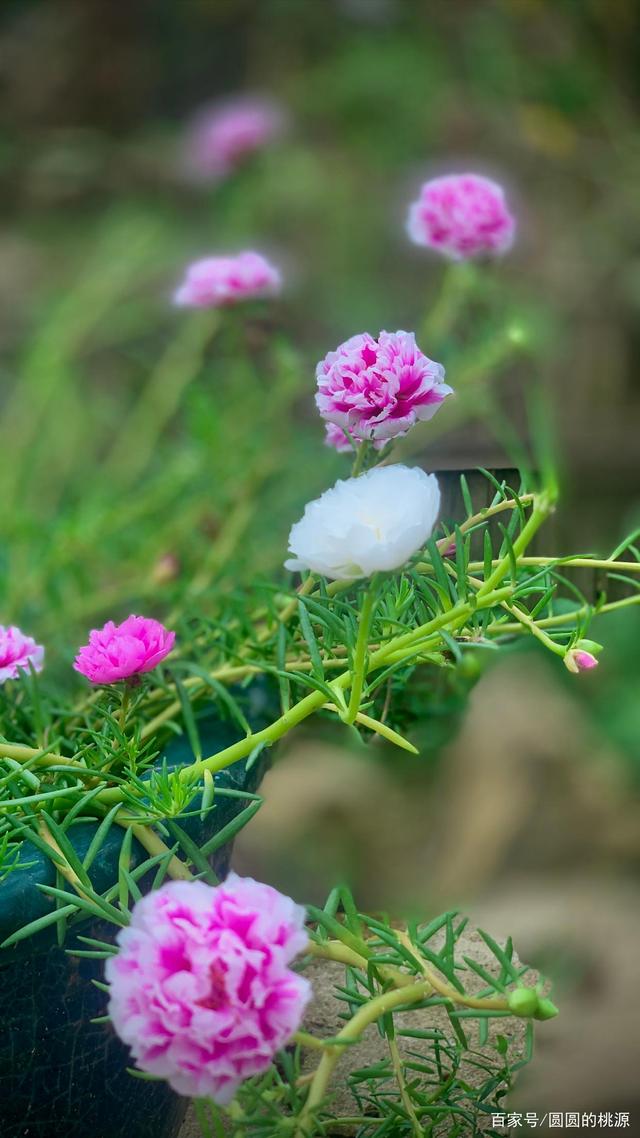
(524, 1002)
(589, 646)
(546, 1009)
(470, 666)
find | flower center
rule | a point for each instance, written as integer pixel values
(217, 991)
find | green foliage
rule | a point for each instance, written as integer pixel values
(448, 1041)
(431, 623)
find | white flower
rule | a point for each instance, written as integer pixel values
(366, 524)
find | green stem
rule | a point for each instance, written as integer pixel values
(567, 617)
(540, 513)
(524, 619)
(39, 757)
(459, 280)
(362, 646)
(154, 845)
(405, 1097)
(135, 445)
(351, 1032)
(124, 706)
(361, 455)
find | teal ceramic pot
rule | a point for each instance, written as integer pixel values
(62, 1076)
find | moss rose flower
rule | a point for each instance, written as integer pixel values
(462, 216)
(215, 282)
(119, 651)
(378, 389)
(18, 652)
(368, 524)
(201, 990)
(223, 137)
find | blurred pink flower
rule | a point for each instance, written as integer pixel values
(336, 438)
(17, 652)
(200, 988)
(462, 216)
(379, 388)
(119, 651)
(223, 137)
(217, 281)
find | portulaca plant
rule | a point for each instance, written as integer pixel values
(211, 985)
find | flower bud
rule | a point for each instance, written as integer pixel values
(577, 660)
(546, 1009)
(470, 666)
(524, 1002)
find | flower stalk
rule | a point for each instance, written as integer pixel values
(359, 667)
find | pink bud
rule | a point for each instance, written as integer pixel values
(448, 550)
(577, 660)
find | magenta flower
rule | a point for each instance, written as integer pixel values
(223, 137)
(378, 389)
(462, 216)
(17, 652)
(215, 282)
(119, 651)
(201, 990)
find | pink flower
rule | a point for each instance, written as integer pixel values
(379, 388)
(577, 660)
(217, 281)
(462, 216)
(223, 137)
(119, 651)
(201, 990)
(18, 651)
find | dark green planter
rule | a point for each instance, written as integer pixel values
(60, 1075)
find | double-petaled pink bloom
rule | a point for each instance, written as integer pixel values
(18, 653)
(462, 216)
(215, 282)
(224, 137)
(378, 389)
(201, 990)
(120, 651)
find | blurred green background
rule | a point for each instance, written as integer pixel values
(151, 458)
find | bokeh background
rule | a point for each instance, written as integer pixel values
(146, 459)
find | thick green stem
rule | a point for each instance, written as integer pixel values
(361, 456)
(154, 845)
